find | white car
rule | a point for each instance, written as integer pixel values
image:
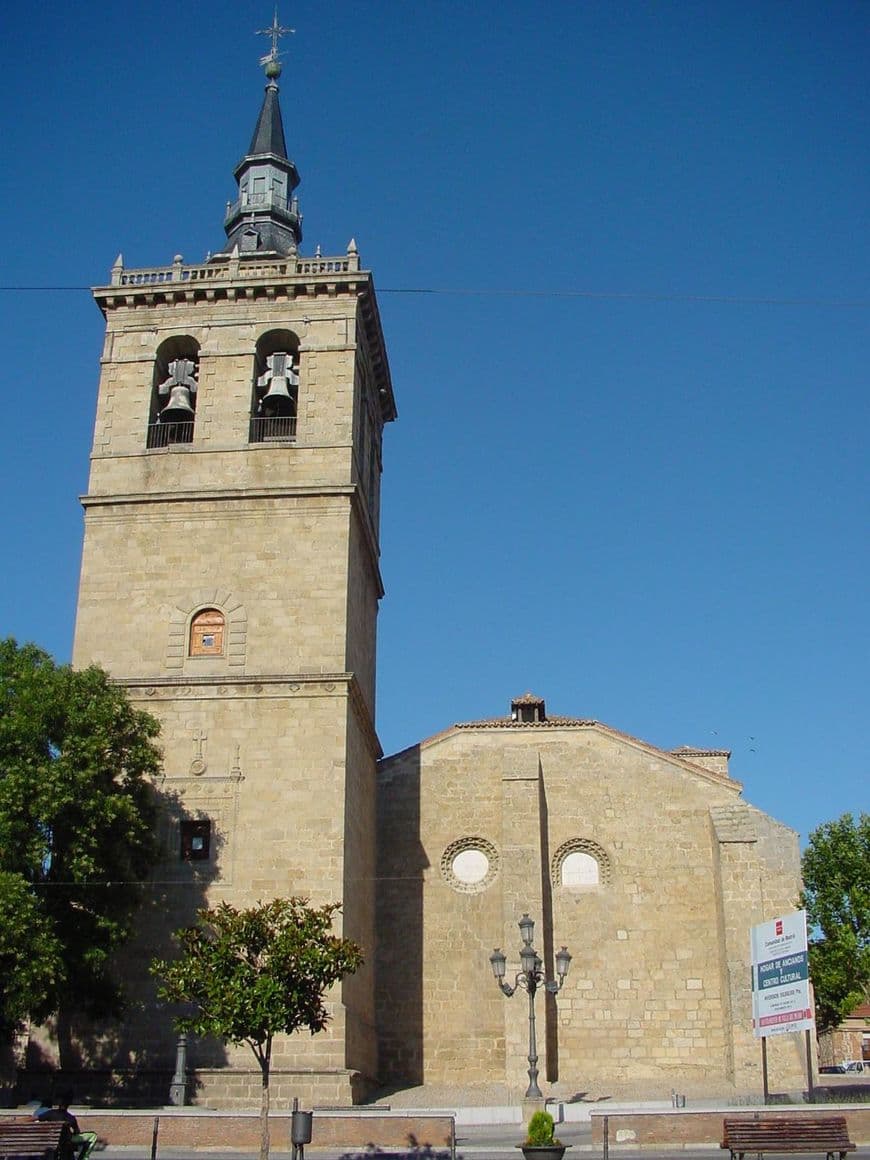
(855, 1065)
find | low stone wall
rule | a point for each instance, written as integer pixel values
(190, 1128)
(682, 1127)
(227, 1088)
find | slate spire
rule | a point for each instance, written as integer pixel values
(269, 133)
(265, 218)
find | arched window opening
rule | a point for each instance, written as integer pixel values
(581, 864)
(173, 392)
(275, 394)
(580, 869)
(207, 633)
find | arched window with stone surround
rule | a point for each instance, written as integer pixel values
(174, 385)
(580, 869)
(275, 390)
(581, 864)
(207, 633)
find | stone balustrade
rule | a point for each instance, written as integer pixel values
(235, 269)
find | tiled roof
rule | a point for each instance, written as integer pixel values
(692, 751)
(509, 723)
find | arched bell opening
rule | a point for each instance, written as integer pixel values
(174, 386)
(275, 389)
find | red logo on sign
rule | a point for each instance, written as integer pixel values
(779, 926)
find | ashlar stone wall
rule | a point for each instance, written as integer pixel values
(272, 739)
(657, 919)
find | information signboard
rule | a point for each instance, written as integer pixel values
(780, 976)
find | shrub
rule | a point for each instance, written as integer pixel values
(540, 1132)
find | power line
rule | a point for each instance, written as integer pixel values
(590, 295)
(643, 296)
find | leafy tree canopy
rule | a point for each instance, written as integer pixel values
(256, 973)
(836, 872)
(76, 832)
(31, 962)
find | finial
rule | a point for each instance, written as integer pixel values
(351, 246)
(270, 62)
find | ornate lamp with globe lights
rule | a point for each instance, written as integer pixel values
(530, 978)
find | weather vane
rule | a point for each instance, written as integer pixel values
(270, 61)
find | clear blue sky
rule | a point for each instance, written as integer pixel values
(630, 467)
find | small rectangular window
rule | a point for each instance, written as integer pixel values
(195, 840)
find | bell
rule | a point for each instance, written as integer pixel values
(282, 381)
(179, 409)
(180, 386)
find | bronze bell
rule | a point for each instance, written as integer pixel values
(181, 387)
(282, 381)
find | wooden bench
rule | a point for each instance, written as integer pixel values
(26, 1139)
(828, 1134)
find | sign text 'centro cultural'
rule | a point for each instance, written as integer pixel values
(780, 976)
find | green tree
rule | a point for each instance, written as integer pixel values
(31, 962)
(836, 873)
(76, 833)
(253, 974)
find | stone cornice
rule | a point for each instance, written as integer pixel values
(154, 689)
(237, 277)
(244, 495)
(222, 494)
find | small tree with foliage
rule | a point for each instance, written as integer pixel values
(76, 833)
(836, 873)
(257, 973)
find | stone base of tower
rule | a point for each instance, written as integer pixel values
(236, 1089)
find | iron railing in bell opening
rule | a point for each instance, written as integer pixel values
(165, 434)
(269, 428)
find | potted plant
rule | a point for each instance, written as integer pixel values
(540, 1143)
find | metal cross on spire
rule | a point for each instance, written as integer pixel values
(270, 60)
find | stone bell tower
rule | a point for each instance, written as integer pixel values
(230, 582)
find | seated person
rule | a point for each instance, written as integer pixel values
(83, 1142)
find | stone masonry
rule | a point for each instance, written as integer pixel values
(677, 870)
(272, 741)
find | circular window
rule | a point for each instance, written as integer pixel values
(469, 865)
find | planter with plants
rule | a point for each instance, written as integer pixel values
(540, 1142)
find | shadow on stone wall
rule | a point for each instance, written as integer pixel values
(399, 909)
(130, 1061)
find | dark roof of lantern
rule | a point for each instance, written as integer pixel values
(269, 132)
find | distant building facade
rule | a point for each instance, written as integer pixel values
(849, 1041)
(230, 582)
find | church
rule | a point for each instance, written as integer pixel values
(230, 582)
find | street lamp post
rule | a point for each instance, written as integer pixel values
(529, 978)
(178, 1087)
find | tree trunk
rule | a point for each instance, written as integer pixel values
(265, 1063)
